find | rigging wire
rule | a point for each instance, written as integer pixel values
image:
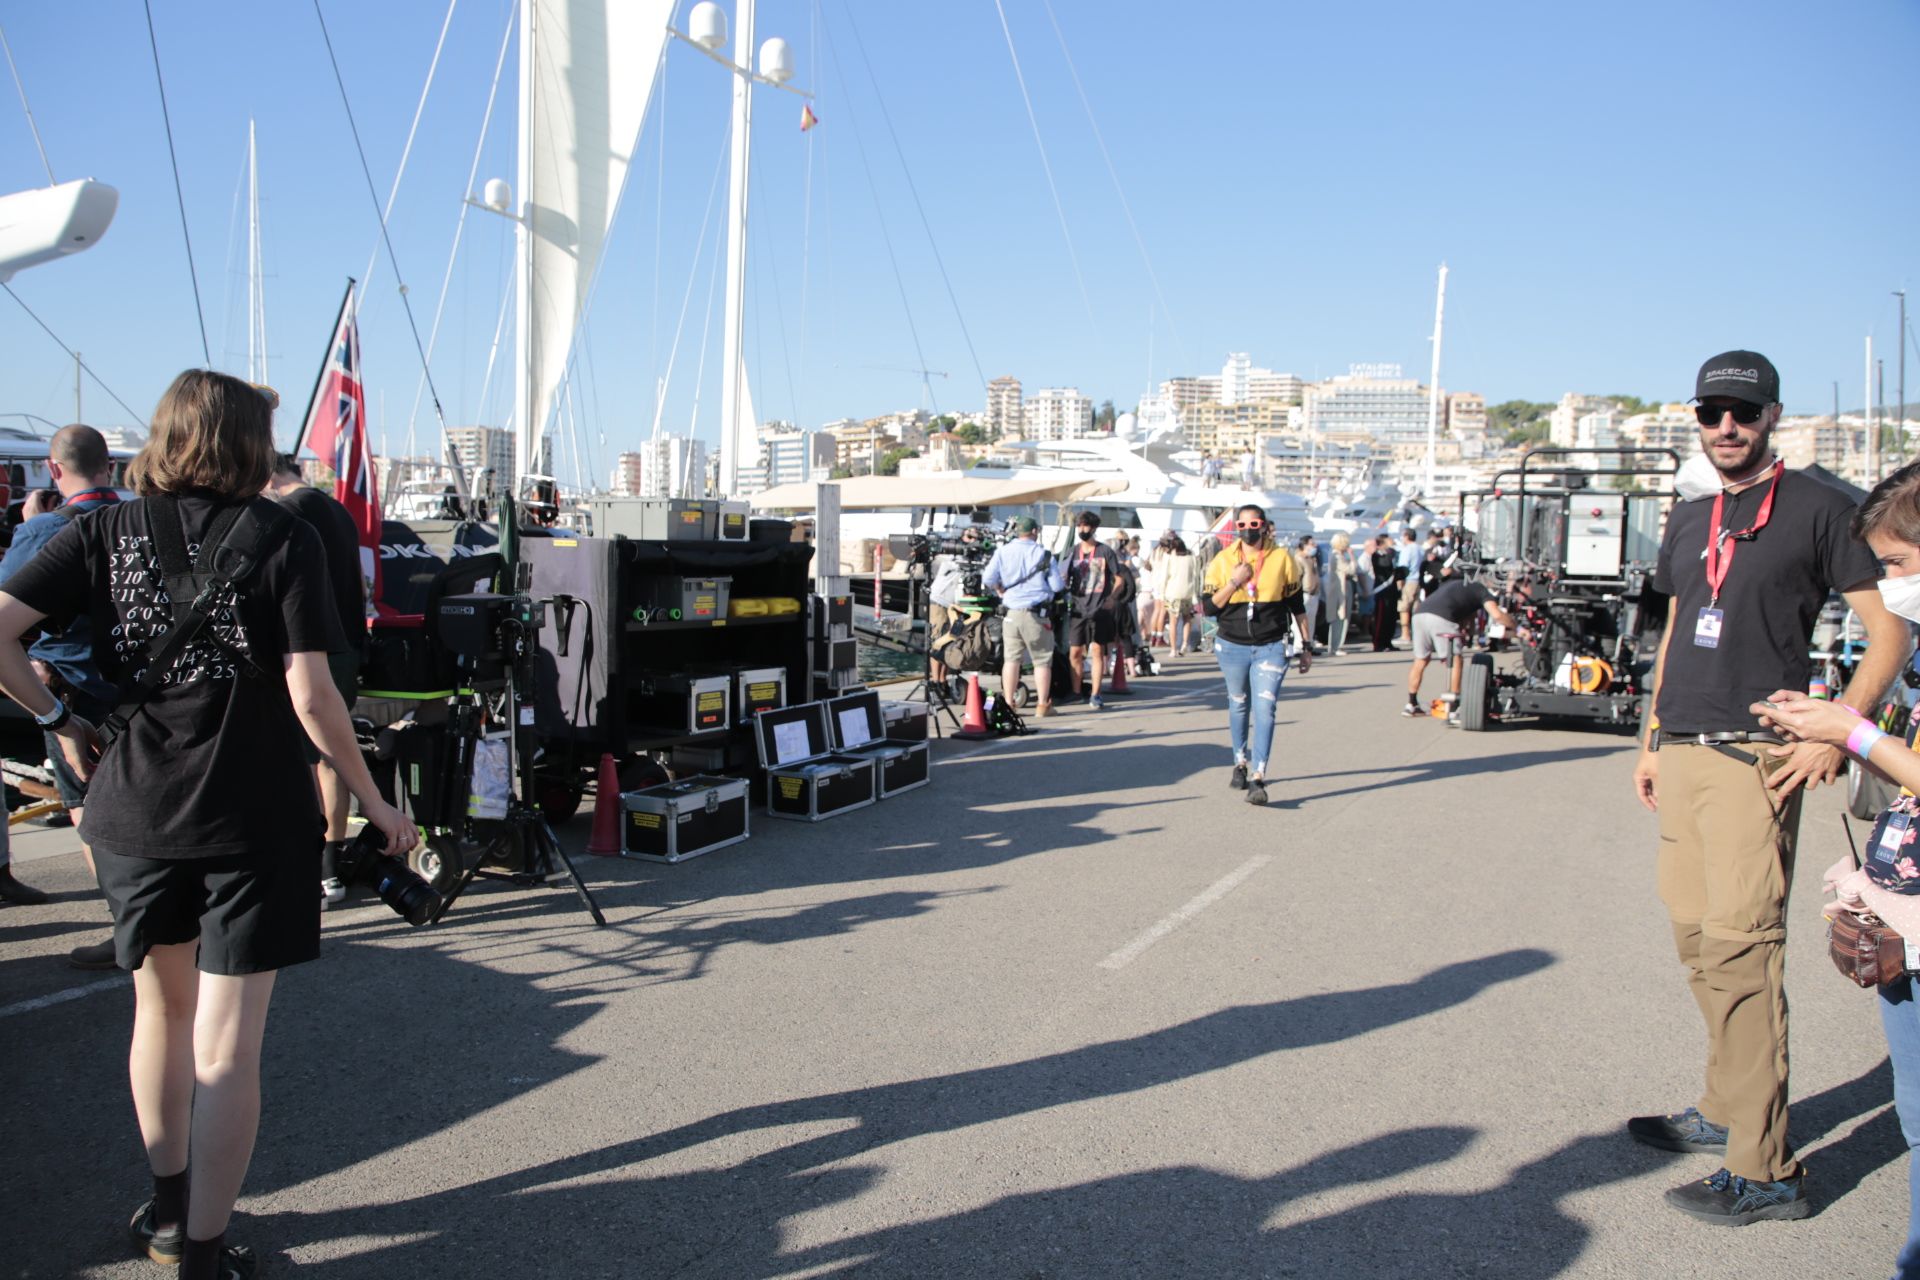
(693, 273)
(199, 312)
(780, 324)
(406, 151)
(700, 375)
(879, 213)
(887, 117)
(20, 84)
(1119, 190)
(226, 297)
(806, 204)
(1045, 163)
(460, 226)
(374, 196)
(71, 353)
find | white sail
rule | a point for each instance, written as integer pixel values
(587, 69)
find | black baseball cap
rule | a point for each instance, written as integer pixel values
(1740, 375)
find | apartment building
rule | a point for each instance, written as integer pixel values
(1058, 413)
(1375, 398)
(1006, 417)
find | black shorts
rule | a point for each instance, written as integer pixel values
(251, 913)
(1090, 628)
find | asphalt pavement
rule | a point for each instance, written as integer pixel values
(1073, 1010)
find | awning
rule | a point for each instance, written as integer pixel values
(879, 493)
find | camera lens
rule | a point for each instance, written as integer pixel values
(365, 862)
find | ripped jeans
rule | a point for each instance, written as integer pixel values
(1254, 674)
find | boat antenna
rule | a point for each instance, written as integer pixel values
(385, 238)
(179, 196)
(21, 86)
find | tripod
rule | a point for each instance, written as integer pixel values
(933, 693)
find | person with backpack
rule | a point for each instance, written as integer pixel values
(81, 468)
(205, 826)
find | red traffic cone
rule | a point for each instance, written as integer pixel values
(1117, 686)
(605, 839)
(975, 723)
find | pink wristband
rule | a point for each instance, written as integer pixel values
(1861, 741)
(1843, 706)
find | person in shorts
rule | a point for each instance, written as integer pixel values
(1026, 577)
(1093, 585)
(205, 826)
(1439, 633)
(342, 543)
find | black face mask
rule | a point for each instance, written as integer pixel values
(1087, 535)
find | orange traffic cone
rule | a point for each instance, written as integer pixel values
(1117, 686)
(975, 723)
(605, 839)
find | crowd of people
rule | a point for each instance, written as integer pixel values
(213, 768)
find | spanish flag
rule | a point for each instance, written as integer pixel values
(807, 118)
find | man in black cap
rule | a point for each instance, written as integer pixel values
(1747, 572)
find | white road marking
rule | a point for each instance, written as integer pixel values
(1207, 897)
(71, 993)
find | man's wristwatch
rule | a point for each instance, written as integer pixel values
(52, 721)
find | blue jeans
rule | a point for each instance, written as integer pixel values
(1900, 1015)
(1254, 675)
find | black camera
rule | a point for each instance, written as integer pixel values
(366, 862)
(488, 633)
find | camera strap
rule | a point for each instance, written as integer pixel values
(1045, 563)
(237, 543)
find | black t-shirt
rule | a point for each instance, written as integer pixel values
(1092, 577)
(1456, 601)
(213, 764)
(1384, 564)
(1773, 592)
(342, 541)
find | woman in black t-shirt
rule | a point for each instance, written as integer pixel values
(202, 815)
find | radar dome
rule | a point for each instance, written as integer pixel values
(1126, 426)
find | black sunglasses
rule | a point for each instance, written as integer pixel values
(1743, 413)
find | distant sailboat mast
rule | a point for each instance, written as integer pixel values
(256, 271)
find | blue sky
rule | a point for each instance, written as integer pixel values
(1618, 190)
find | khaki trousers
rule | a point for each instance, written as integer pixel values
(1726, 865)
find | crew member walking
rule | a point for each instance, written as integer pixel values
(1747, 573)
(1093, 581)
(1253, 589)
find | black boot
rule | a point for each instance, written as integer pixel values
(20, 895)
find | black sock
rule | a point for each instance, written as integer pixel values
(330, 859)
(201, 1260)
(169, 1199)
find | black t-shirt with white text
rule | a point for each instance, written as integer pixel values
(1456, 601)
(1774, 588)
(213, 763)
(342, 541)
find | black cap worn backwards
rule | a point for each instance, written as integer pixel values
(1741, 375)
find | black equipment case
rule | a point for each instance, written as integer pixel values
(806, 779)
(688, 704)
(859, 729)
(684, 819)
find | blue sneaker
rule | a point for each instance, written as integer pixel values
(1729, 1201)
(1689, 1133)
(1095, 703)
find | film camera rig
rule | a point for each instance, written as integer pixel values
(492, 639)
(1573, 564)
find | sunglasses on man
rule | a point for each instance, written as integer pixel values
(1743, 413)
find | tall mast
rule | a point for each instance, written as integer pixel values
(256, 271)
(1433, 383)
(732, 367)
(524, 426)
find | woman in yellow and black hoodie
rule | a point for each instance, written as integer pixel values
(1252, 589)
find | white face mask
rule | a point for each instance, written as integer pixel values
(1699, 478)
(1902, 596)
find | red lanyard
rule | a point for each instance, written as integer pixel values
(1720, 545)
(1253, 583)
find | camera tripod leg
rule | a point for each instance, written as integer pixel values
(549, 846)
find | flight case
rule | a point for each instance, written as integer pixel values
(806, 779)
(684, 819)
(858, 728)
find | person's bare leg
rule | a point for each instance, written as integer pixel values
(1413, 679)
(333, 801)
(1459, 667)
(1075, 656)
(1043, 679)
(1010, 679)
(227, 1028)
(160, 1061)
(1097, 663)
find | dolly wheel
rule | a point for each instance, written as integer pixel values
(1022, 695)
(1476, 693)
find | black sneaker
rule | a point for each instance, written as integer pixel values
(1729, 1201)
(1239, 779)
(1256, 792)
(1689, 1133)
(97, 956)
(164, 1247)
(1413, 709)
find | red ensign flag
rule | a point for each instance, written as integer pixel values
(337, 433)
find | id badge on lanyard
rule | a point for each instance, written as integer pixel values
(1721, 544)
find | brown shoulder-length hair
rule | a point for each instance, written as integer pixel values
(210, 432)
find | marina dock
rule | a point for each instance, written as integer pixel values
(1073, 1010)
